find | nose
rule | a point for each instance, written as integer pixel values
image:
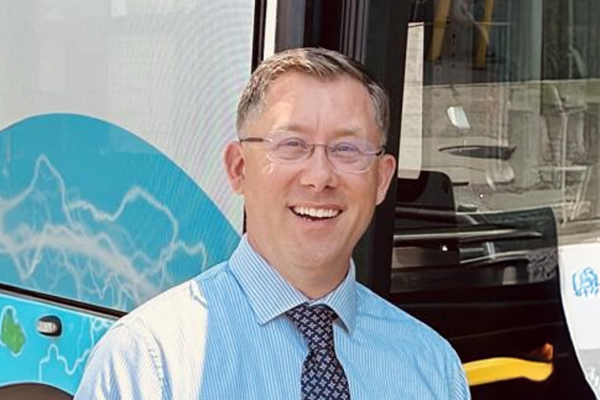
(317, 171)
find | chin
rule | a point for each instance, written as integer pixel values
(318, 253)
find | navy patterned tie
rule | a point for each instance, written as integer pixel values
(322, 374)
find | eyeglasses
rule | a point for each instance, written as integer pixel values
(346, 154)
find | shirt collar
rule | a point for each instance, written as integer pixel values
(270, 295)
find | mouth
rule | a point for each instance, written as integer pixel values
(316, 214)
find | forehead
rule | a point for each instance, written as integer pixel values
(308, 103)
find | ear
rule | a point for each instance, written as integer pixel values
(386, 170)
(234, 166)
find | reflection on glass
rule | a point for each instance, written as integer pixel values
(510, 105)
(510, 155)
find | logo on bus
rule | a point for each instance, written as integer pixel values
(585, 283)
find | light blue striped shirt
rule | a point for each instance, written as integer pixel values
(224, 335)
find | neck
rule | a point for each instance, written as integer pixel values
(314, 277)
(312, 285)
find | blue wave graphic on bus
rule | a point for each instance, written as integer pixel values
(91, 212)
(29, 357)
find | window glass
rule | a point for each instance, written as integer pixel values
(498, 199)
(502, 105)
(509, 107)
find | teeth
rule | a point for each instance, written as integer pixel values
(316, 212)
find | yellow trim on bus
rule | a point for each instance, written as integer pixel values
(499, 369)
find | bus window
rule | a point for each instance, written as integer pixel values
(505, 101)
(498, 180)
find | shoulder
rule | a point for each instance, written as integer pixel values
(168, 311)
(136, 356)
(181, 305)
(389, 319)
(175, 316)
(121, 366)
(405, 337)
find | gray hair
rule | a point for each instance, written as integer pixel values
(322, 64)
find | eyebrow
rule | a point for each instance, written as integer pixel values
(289, 126)
(295, 127)
(352, 131)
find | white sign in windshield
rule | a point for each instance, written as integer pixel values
(580, 288)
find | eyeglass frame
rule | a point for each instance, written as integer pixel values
(311, 147)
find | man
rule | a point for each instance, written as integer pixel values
(284, 318)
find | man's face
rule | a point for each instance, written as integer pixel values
(278, 195)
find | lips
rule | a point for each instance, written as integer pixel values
(316, 213)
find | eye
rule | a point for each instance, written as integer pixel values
(292, 143)
(290, 148)
(345, 149)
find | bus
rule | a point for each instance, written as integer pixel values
(113, 116)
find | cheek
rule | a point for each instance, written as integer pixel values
(274, 180)
(266, 189)
(268, 169)
(257, 175)
(365, 187)
(364, 195)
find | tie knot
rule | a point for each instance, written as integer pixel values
(315, 323)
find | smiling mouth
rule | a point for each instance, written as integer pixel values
(316, 214)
